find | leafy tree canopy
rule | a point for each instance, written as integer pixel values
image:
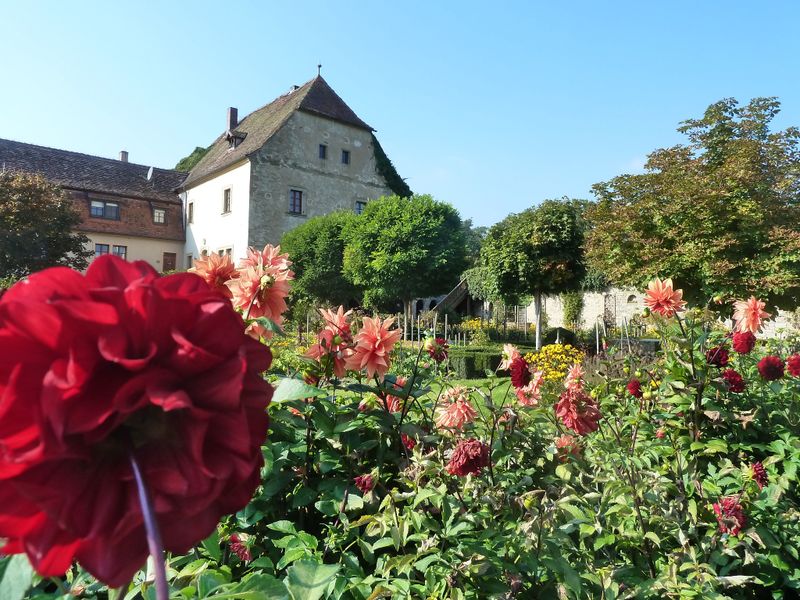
(37, 226)
(317, 251)
(718, 215)
(537, 251)
(187, 163)
(403, 248)
(474, 237)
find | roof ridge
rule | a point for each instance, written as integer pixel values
(95, 156)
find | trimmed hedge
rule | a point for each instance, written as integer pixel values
(471, 362)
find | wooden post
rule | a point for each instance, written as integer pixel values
(445, 326)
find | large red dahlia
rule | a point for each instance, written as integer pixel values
(771, 367)
(743, 342)
(116, 365)
(520, 372)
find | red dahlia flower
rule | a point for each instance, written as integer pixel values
(634, 388)
(734, 381)
(743, 342)
(109, 371)
(520, 372)
(771, 368)
(365, 483)
(239, 548)
(578, 411)
(437, 348)
(717, 356)
(409, 442)
(793, 365)
(730, 515)
(759, 475)
(469, 457)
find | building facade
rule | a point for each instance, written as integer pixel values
(126, 209)
(304, 154)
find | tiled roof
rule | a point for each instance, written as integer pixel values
(78, 171)
(315, 96)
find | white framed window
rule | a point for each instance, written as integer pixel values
(226, 201)
(159, 216)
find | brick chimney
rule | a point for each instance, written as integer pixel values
(123, 156)
(233, 118)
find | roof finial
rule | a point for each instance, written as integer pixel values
(319, 70)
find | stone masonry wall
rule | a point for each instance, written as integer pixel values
(290, 160)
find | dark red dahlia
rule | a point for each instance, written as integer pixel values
(578, 411)
(635, 388)
(365, 483)
(717, 356)
(437, 348)
(409, 442)
(239, 548)
(469, 458)
(743, 342)
(734, 381)
(116, 368)
(520, 372)
(759, 475)
(730, 515)
(771, 367)
(793, 365)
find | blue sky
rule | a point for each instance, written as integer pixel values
(491, 107)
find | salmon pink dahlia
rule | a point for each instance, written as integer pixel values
(749, 314)
(567, 445)
(574, 379)
(510, 353)
(113, 380)
(373, 345)
(661, 299)
(334, 342)
(217, 271)
(578, 411)
(530, 394)
(457, 410)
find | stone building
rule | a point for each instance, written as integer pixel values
(129, 210)
(304, 154)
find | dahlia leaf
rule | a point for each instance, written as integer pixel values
(295, 389)
(17, 578)
(308, 579)
(211, 545)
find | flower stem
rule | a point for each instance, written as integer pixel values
(153, 535)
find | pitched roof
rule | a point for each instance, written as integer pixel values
(93, 173)
(315, 97)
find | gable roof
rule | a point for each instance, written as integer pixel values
(315, 97)
(78, 171)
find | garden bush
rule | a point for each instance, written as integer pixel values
(674, 478)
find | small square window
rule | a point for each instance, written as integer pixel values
(100, 249)
(226, 201)
(112, 211)
(360, 206)
(296, 202)
(98, 208)
(190, 215)
(345, 157)
(121, 251)
(323, 151)
(159, 215)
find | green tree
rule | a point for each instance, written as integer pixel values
(720, 215)
(474, 237)
(317, 251)
(187, 163)
(536, 252)
(404, 248)
(37, 226)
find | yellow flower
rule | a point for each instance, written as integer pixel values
(554, 360)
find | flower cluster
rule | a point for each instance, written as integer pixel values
(469, 457)
(554, 360)
(117, 372)
(258, 287)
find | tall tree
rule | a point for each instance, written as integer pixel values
(720, 215)
(37, 226)
(404, 248)
(317, 251)
(536, 252)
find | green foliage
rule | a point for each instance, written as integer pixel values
(316, 249)
(37, 226)
(403, 248)
(386, 170)
(572, 303)
(719, 215)
(471, 362)
(187, 163)
(473, 237)
(481, 284)
(537, 251)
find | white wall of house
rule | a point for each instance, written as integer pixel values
(615, 304)
(212, 229)
(150, 250)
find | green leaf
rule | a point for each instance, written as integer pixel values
(17, 578)
(653, 538)
(257, 587)
(308, 579)
(269, 325)
(211, 545)
(295, 389)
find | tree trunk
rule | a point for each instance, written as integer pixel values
(537, 307)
